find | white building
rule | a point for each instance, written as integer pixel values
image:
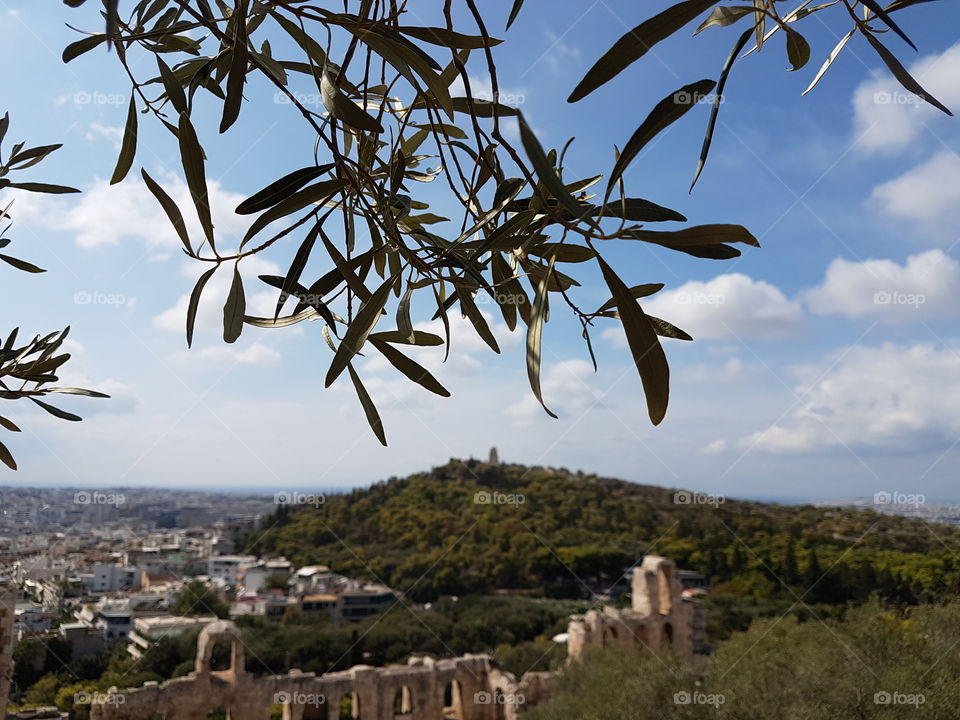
(226, 568)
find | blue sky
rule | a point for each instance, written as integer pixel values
(826, 364)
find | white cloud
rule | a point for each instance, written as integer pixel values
(261, 300)
(108, 132)
(716, 447)
(567, 389)
(256, 354)
(731, 370)
(887, 118)
(727, 307)
(927, 284)
(888, 398)
(108, 215)
(927, 197)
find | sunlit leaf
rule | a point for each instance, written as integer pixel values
(635, 44)
(535, 338)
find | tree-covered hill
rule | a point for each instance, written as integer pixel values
(472, 527)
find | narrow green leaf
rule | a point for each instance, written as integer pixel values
(170, 208)
(6, 458)
(535, 338)
(545, 171)
(195, 302)
(21, 264)
(57, 412)
(410, 368)
(172, 87)
(344, 109)
(514, 11)
(78, 48)
(238, 68)
(664, 114)
(724, 15)
(717, 100)
(829, 61)
(636, 43)
(644, 345)
(43, 188)
(447, 38)
(356, 335)
(887, 20)
(191, 154)
(637, 291)
(234, 309)
(128, 147)
(472, 312)
(420, 338)
(798, 49)
(281, 189)
(312, 194)
(8, 424)
(901, 74)
(369, 409)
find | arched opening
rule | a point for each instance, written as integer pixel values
(221, 656)
(610, 635)
(667, 634)
(499, 703)
(316, 708)
(402, 704)
(665, 583)
(349, 706)
(219, 714)
(452, 701)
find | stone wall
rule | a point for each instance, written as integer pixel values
(470, 687)
(8, 601)
(658, 616)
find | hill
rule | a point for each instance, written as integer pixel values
(473, 527)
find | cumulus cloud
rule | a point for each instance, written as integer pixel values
(256, 354)
(886, 118)
(726, 307)
(927, 284)
(106, 215)
(890, 398)
(731, 370)
(567, 389)
(927, 197)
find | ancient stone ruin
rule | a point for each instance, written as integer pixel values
(470, 687)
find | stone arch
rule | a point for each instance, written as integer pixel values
(402, 704)
(452, 700)
(207, 640)
(611, 635)
(348, 708)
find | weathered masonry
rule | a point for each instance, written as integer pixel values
(470, 687)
